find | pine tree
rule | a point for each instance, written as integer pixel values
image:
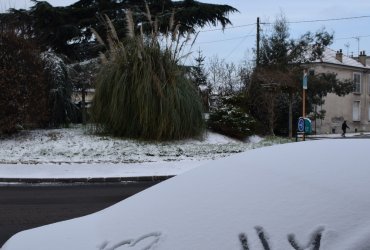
(198, 72)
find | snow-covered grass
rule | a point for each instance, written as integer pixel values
(311, 195)
(76, 153)
(76, 145)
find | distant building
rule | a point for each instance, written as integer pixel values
(355, 107)
(77, 97)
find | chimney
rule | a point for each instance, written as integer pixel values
(339, 55)
(362, 58)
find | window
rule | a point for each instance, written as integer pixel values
(357, 82)
(356, 111)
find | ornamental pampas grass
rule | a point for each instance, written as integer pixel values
(142, 91)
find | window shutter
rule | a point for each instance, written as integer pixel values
(356, 111)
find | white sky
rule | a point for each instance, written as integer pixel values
(243, 39)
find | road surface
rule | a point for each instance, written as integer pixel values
(28, 206)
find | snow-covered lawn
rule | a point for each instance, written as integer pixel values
(76, 145)
(311, 195)
(75, 153)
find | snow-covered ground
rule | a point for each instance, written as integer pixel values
(75, 153)
(76, 145)
(310, 195)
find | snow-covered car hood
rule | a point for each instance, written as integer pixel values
(307, 194)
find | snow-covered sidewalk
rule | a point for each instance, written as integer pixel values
(96, 170)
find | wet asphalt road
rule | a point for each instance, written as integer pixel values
(27, 206)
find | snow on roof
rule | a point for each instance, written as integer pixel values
(329, 56)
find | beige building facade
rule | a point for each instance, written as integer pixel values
(354, 107)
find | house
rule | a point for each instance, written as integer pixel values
(354, 107)
(77, 97)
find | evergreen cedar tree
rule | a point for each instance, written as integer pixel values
(67, 29)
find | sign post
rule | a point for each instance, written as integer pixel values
(304, 127)
(304, 85)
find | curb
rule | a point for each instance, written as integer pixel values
(85, 180)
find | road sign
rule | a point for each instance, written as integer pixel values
(305, 80)
(301, 124)
(304, 125)
(307, 126)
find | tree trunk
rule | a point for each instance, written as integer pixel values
(272, 113)
(290, 115)
(83, 106)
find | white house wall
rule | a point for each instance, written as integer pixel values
(338, 108)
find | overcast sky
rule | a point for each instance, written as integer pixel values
(236, 44)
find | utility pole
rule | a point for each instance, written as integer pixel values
(258, 43)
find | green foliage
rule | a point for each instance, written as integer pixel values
(260, 99)
(62, 110)
(282, 109)
(275, 47)
(198, 73)
(141, 92)
(282, 61)
(199, 78)
(324, 83)
(229, 119)
(55, 27)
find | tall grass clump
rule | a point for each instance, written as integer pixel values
(142, 91)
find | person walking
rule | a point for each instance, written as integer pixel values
(344, 128)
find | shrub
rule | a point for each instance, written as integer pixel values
(62, 109)
(23, 88)
(231, 120)
(142, 92)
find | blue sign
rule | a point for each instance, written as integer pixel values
(304, 125)
(301, 124)
(305, 81)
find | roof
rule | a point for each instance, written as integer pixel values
(329, 56)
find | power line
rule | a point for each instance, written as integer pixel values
(246, 36)
(228, 39)
(224, 40)
(291, 22)
(330, 19)
(237, 46)
(243, 37)
(324, 20)
(267, 23)
(351, 37)
(227, 28)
